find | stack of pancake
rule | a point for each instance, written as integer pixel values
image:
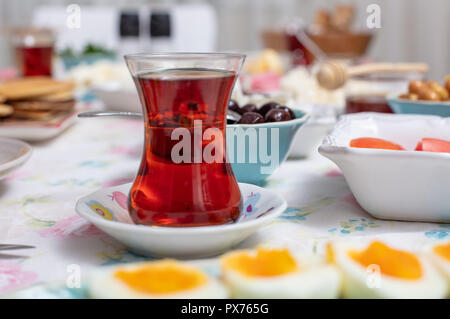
(35, 99)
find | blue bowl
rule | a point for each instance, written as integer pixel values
(256, 150)
(403, 106)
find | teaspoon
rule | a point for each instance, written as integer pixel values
(231, 115)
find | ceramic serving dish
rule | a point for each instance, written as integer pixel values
(403, 106)
(13, 154)
(389, 184)
(258, 162)
(60, 290)
(115, 97)
(107, 209)
(307, 140)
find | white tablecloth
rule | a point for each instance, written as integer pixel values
(37, 205)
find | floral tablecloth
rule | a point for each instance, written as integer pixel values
(37, 205)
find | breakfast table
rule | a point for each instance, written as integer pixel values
(37, 206)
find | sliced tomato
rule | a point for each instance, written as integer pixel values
(419, 146)
(435, 145)
(371, 142)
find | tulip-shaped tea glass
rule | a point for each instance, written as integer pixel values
(184, 178)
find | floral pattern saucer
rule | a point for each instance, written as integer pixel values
(107, 209)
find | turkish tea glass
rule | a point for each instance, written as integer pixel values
(33, 50)
(184, 178)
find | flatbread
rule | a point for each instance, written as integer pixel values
(33, 105)
(56, 97)
(34, 115)
(30, 87)
(6, 110)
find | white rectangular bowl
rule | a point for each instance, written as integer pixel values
(389, 184)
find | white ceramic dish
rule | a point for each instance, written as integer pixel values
(60, 290)
(308, 138)
(37, 131)
(389, 184)
(117, 98)
(13, 154)
(107, 209)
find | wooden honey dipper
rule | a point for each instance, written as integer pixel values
(333, 74)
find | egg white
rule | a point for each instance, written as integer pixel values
(314, 279)
(104, 285)
(440, 262)
(356, 280)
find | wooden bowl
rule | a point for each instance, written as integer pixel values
(342, 45)
(275, 39)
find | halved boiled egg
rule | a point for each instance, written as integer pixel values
(158, 279)
(277, 273)
(440, 255)
(377, 270)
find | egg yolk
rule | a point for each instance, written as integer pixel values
(443, 250)
(392, 262)
(161, 277)
(329, 254)
(264, 263)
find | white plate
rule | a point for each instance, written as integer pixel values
(389, 184)
(13, 154)
(37, 131)
(117, 98)
(107, 210)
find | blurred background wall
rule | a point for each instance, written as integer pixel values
(411, 30)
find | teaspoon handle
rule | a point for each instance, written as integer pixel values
(110, 114)
(230, 115)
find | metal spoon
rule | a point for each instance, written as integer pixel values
(231, 115)
(110, 114)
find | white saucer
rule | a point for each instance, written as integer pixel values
(13, 154)
(107, 209)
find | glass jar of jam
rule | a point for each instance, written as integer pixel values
(368, 92)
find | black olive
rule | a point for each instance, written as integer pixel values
(277, 115)
(234, 106)
(287, 109)
(249, 108)
(192, 106)
(267, 107)
(251, 118)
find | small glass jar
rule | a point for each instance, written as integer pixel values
(33, 50)
(368, 92)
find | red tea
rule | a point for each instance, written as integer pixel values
(35, 60)
(167, 193)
